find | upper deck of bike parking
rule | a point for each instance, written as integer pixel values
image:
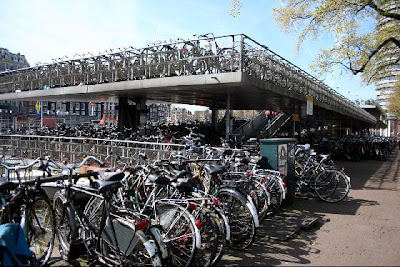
(205, 71)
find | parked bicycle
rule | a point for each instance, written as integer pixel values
(26, 203)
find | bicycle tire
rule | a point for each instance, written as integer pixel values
(276, 196)
(262, 200)
(209, 239)
(222, 237)
(41, 228)
(241, 221)
(178, 234)
(66, 226)
(331, 185)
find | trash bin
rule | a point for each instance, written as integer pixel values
(280, 154)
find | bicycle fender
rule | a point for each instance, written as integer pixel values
(226, 223)
(158, 238)
(253, 210)
(348, 179)
(283, 189)
(196, 230)
(146, 242)
(245, 199)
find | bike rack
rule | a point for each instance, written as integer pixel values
(229, 53)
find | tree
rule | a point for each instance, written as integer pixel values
(394, 102)
(366, 32)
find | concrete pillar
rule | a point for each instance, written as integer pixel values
(214, 119)
(124, 118)
(228, 117)
(142, 111)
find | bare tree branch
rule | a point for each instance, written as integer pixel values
(382, 12)
(373, 53)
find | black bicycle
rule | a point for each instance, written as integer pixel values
(26, 203)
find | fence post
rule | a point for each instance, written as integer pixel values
(241, 53)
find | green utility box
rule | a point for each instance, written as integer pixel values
(280, 154)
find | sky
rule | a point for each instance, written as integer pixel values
(44, 30)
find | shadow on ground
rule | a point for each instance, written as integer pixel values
(271, 247)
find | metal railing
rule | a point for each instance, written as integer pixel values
(206, 54)
(74, 149)
(250, 126)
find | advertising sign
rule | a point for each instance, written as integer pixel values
(38, 107)
(310, 105)
(282, 158)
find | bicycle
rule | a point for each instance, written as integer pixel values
(320, 177)
(31, 208)
(117, 240)
(146, 193)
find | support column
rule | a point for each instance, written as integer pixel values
(214, 119)
(296, 109)
(142, 111)
(123, 113)
(228, 116)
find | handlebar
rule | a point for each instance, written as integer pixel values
(80, 164)
(75, 165)
(21, 167)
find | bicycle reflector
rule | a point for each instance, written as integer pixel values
(215, 201)
(191, 206)
(249, 174)
(198, 224)
(140, 225)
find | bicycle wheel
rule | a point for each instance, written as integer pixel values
(331, 185)
(122, 244)
(65, 225)
(221, 234)
(276, 196)
(241, 221)
(178, 233)
(209, 239)
(262, 199)
(41, 228)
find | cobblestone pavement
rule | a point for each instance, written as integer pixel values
(362, 230)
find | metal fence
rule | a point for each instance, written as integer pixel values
(73, 149)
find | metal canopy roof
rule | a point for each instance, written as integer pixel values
(201, 72)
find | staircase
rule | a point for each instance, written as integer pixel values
(277, 123)
(257, 127)
(251, 127)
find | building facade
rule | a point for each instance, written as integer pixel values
(389, 77)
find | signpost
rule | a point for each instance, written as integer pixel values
(310, 106)
(39, 111)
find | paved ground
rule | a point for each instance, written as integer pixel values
(362, 230)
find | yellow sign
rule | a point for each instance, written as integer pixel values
(296, 117)
(38, 107)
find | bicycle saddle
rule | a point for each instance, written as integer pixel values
(184, 188)
(182, 174)
(105, 186)
(110, 176)
(214, 169)
(6, 186)
(161, 180)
